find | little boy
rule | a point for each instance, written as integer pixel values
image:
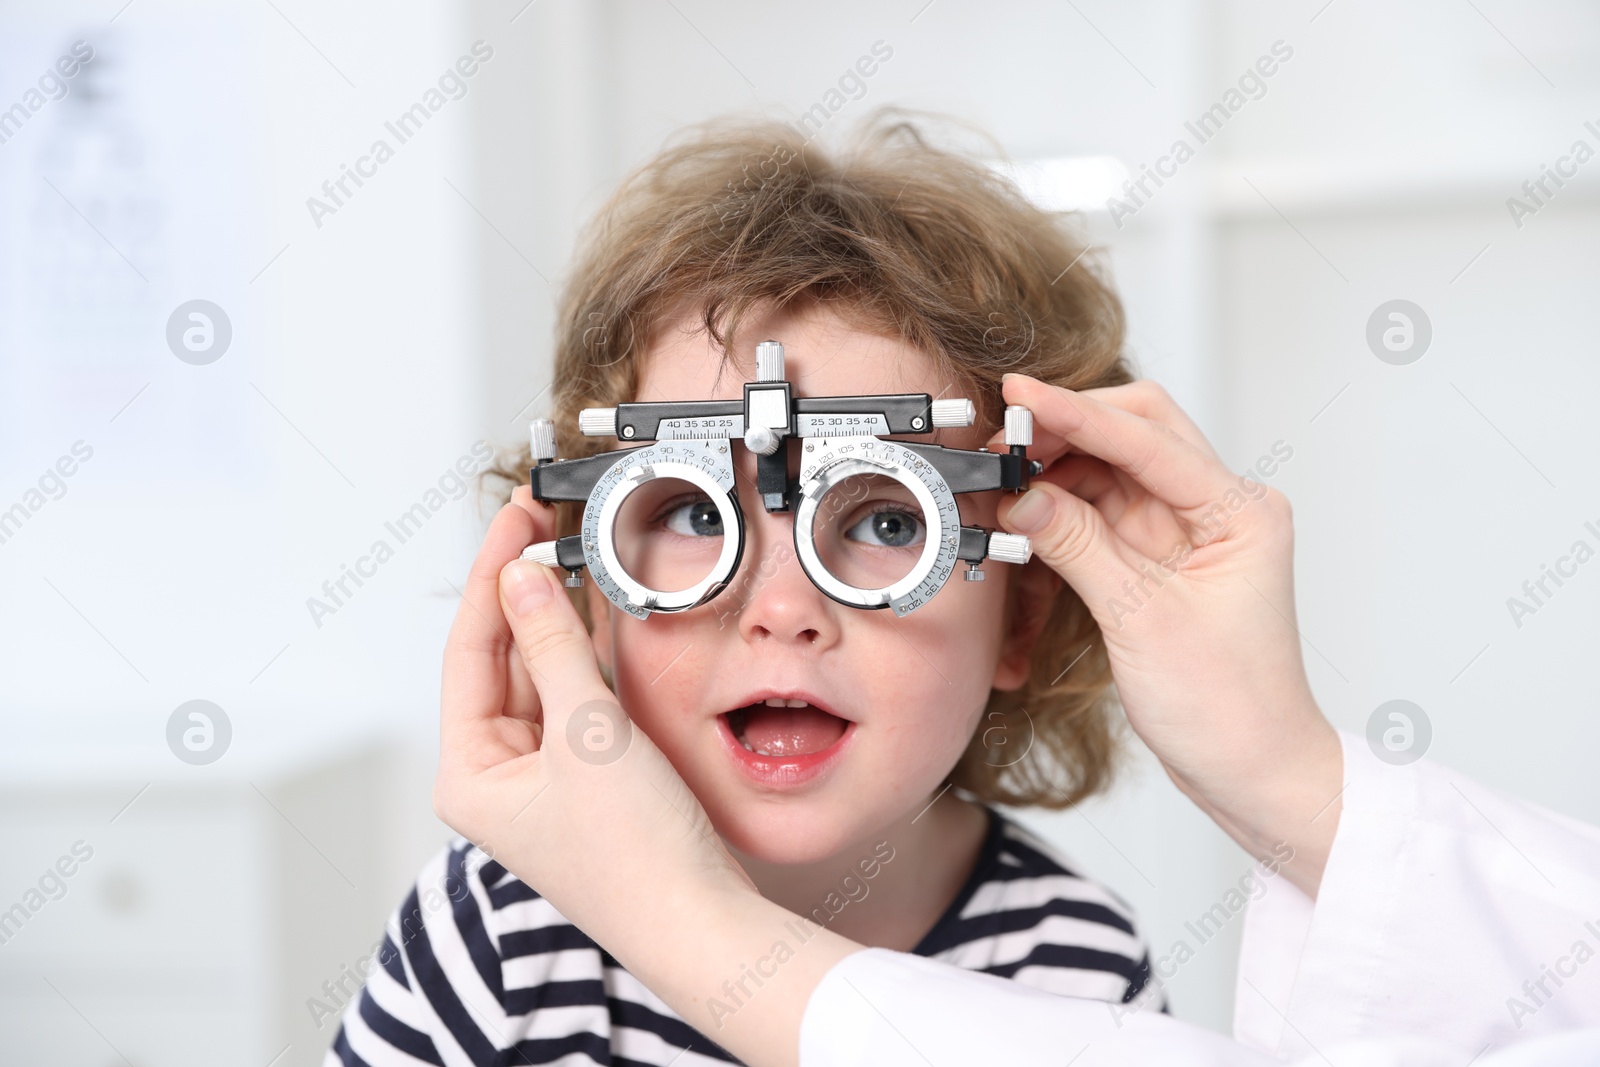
(845, 756)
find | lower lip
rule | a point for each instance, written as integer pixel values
(783, 772)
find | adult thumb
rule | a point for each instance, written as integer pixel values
(552, 640)
(1071, 536)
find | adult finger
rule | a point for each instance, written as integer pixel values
(1095, 481)
(552, 640)
(523, 693)
(1147, 398)
(522, 696)
(1085, 476)
(1153, 454)
(476, 656)
(522, 496)
(1074, 539)
(1144, 397)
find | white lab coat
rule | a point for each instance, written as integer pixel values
(1454, 925)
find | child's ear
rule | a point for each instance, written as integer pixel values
(1030, 600)
(600, 623)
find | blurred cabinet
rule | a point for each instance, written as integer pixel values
(207, 914)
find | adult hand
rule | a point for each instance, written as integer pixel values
(538, 764)
(1188, 569)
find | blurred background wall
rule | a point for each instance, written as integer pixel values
(181, 502)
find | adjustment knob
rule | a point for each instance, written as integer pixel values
(542, 440)
(1019, 425)
(1009, 548)
(769, 362)
(542, 552)
(953, 413)
(598, 422)
(761, 440)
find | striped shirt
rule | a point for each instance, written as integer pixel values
(476, 969)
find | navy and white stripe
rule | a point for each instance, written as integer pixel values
(478, 970)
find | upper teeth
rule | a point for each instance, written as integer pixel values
(780, 702)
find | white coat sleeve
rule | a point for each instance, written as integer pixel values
(1447, 911)
(1440, 900)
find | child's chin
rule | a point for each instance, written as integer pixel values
(786, 837)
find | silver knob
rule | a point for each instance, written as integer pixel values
(542, 439)
(1019, 425)
(598, 422)
(954, 413)
(1009, 548)
(769, 362)
(542, 552)
(761, 440)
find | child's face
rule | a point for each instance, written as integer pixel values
(905, 694)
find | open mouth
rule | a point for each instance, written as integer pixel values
(784, 728)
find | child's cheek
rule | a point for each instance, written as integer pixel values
(631, 669)
(660, 674)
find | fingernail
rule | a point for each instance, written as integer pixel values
(1031, 513)
(530, 587)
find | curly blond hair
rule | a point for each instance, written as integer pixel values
(926, 243)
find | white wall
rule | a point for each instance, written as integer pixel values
(218, 498)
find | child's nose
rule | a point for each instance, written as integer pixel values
(770, 595)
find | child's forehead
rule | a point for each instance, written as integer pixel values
(820, 359)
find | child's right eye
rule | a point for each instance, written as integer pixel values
(692, 518)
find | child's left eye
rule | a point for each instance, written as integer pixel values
(889, 529)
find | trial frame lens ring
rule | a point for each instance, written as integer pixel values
(815, 489)
(632, 472)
